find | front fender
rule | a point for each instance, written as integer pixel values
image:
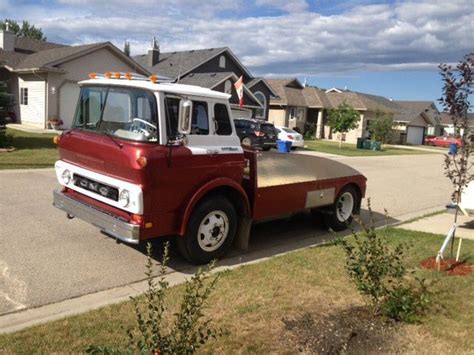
(205, 190)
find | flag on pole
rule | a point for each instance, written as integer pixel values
(239, 87)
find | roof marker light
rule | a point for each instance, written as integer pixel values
(128, 76)
(108, 75)
(153, 78)
(117, 75)
(92, 75)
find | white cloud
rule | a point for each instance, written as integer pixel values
(285, 5)
(405, 35)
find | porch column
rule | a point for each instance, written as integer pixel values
(319, 124)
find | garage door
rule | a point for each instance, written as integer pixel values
(67, 103)
(415, 135)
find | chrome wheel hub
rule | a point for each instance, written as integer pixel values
(213, 231)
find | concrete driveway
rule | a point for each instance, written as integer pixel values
(45, 258)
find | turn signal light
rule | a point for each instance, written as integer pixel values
(153, 78)
(290, 136)
(142, 161)
(259, 134)
(56, 139)
(92, 75)
(128, 76)
(136, 219)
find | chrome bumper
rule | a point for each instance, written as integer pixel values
(111, 225)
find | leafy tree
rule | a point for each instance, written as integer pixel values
(343, 119)
(6, 103)
(457, 90)
(189, 327)
(23, 30)
(126, 48)
(381, 127)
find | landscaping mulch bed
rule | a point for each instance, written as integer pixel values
(450, 266)
(353, 330)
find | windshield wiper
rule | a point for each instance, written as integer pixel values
(120, 145)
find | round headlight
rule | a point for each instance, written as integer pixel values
(66, 176)
(124, 198)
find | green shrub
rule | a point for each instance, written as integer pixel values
(379, 273)
(189, 330)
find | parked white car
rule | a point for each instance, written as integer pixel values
(287, 134)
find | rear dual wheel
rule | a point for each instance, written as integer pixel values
(211, 231)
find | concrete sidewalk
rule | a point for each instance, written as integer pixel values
(441, 223)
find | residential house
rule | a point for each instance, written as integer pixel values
(297, 104)
(213, 68)
(447, 124)
(43, 76)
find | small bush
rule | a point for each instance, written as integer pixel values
(189, 330)
(379, 273)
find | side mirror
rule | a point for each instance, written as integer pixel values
(185, 116)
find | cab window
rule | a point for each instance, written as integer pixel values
(222, 120)
(200, 120)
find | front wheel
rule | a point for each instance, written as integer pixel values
(211, 231)
(339, 215)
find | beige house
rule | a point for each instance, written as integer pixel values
(43, 76)
(297, 105)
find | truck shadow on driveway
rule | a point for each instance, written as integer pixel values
(268, 239)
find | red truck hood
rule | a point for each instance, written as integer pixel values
(99, 153)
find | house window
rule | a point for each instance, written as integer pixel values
(296, 114)
(227, 87)
(260, 112)
(222, 62)
(24, 96)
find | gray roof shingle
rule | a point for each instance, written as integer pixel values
(170, 62)
(44, 58)
(29, 45)
(207, 80)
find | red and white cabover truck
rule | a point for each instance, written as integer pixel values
(146, 159)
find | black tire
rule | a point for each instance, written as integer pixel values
(340, 221)
(191, 244)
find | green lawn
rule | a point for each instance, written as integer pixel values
(252, 302)
(350, 150)
(33, 150)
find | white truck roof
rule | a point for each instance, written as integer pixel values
(174, 88)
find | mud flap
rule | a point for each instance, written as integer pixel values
(243, 234)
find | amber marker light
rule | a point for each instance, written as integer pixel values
(148, 225)
(56, 139)
(153, 78)
(128, 76)
(142, 161)
(92, 75)
(117, 75)
(108, 75)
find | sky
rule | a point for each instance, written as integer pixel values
(389, 48)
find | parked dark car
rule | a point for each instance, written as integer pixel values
(256, 133)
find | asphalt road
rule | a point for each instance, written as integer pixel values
(45, 258)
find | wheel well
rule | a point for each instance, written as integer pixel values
(234, 197)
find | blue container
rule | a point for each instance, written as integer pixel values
(453, 149)
(283, 146)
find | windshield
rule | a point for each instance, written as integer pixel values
(268, 128)
(127, 113)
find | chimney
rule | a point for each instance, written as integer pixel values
(7, 39)
(153, 53)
